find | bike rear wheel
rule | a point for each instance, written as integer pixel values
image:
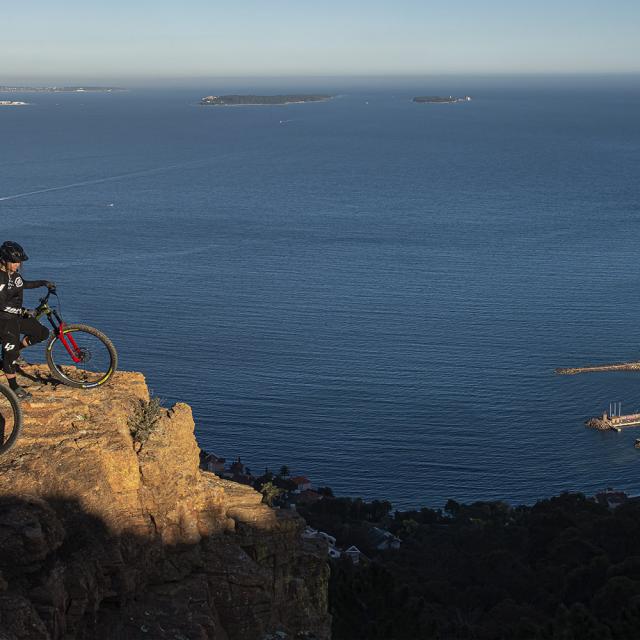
(10, 418)
(97, 357)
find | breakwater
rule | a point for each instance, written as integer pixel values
(621, 366)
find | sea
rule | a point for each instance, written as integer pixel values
(372, 292)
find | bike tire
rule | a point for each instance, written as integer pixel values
(14, 403)
(68, 378)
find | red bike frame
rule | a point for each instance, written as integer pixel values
(74, 349)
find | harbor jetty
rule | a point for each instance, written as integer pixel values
(608, 422)
(614, 419)
(621, 366)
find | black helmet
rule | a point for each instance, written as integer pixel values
(12, 252)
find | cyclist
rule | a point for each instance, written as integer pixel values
(14, 319)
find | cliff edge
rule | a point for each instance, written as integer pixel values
(102, 537)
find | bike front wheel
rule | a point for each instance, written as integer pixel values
(10, 418)
(82, 358)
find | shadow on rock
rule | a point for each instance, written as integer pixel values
(64, 575)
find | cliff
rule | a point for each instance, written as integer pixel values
(102, 537)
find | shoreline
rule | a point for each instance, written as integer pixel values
(7, 89)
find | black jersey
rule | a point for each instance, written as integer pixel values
(11, 287)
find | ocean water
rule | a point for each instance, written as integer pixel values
(373, 292)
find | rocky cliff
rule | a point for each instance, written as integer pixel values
(102, 537)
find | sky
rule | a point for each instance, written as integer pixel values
(195, 38)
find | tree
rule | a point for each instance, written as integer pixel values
(380, 509)
(269, 493)
(408, 529)
(452, 508)
(284, 471)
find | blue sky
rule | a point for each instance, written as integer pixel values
(193, 38)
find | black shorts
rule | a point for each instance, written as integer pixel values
(10, 330)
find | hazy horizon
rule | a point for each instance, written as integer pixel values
(250, 82)
(196, 39)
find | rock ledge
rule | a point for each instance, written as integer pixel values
(100, 540)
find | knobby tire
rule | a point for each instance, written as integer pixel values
(56, 369)
(13, 401)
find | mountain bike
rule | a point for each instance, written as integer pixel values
(78, 355)
(10, 418)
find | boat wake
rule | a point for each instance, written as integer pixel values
(122, 176)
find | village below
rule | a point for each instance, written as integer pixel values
(285, 491)
(405, 574)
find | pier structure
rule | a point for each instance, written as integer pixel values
(615, 420)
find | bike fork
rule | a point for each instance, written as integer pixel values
(73, 350)
(68, 341)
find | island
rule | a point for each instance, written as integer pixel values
(12, 103)
(6, 89)
(441, 99)
(237, 100)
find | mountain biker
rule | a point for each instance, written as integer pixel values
(14, 319)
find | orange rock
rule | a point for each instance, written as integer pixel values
(103, 538)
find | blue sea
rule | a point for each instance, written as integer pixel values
(370, 291)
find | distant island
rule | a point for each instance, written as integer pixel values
(12, 103)
(441, 99)
(236, 100)
(5, 89)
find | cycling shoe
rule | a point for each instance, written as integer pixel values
(22, 394)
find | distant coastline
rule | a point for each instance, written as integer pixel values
(245, 100)
(7, 89)
(441, 99)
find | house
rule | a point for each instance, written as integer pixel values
(243, 478)
(611, 498)
(310, 532)
(353, 553)
(307, 496)
(324, 539)
(237, 472)
(331, 541)
(302, 483)
(237, 468)
(382, 539)
(211, 462)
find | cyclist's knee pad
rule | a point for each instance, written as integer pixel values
(10, 352)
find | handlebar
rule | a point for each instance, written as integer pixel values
(45, 299)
